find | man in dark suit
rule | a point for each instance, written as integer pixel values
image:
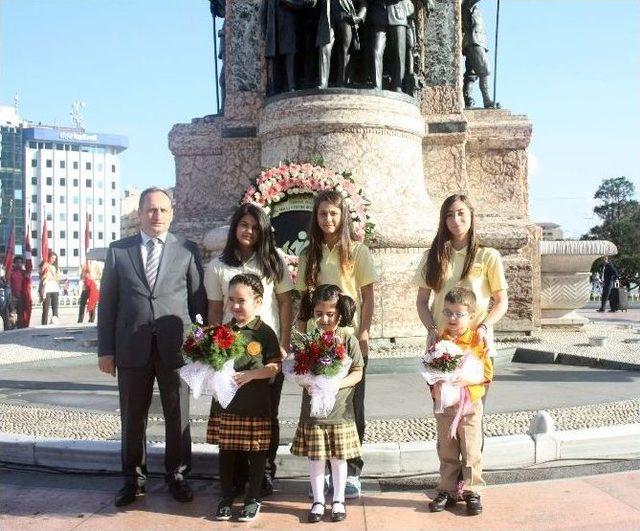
(609, 276)
(152, 290)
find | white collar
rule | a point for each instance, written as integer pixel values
(145, 237)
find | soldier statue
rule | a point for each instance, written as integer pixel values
(474, 49)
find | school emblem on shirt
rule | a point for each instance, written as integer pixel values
(476, 270)
(254, 348)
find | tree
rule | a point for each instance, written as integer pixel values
(620, 215)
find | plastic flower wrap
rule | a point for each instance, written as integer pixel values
(212, 351)
(444, 363)
(318, 361)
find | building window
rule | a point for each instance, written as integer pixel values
(113, 169)
(113, 185)
(49, 199)
(49, 218)
(49, 234)
(49, 163)
(34, 163)
(113, 219)
(62, 200)
(100, 236)
(34, 252)
(113, 236)
(100, 201)
(34, 216)
(75, 217)
(33, 145)
(87, 165)
(75, 165)
(63, 234)
(100, 218)
(75, 252)
(74, 147)
(75, 182)
(48, 145)
(60, 147)
(113, 202)
(34, 198)
(63, 164)
(63, 252)
(76, 200)
(89, 201)
(88, 183)
(75, 234)
(63, 181)
(49, 181)
(34, 234)
(34, 181)
(63, 216)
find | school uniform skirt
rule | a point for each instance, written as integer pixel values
(321, 442)
(234, 432)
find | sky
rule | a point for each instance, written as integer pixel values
(572, 66)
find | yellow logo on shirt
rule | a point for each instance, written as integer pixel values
(254, 348)
(476, 270)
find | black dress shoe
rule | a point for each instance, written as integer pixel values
(442, 500)
(338, 516)
(473, 503)
(127, 494)
(180, 490)
(314, 518)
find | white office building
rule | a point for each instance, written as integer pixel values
(69, 173)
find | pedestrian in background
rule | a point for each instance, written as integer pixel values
(50, 288)
(609, 276)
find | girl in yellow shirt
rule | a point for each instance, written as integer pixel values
(456, 259)
(334, 257)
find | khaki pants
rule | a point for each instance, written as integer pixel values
(461, 456)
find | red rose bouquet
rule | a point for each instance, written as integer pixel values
(212, 351)
(318, 361)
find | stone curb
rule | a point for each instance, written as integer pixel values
(383, 459)
(531, 355)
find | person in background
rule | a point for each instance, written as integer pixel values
(5, 293)
(50, 288)
(19, 278)
(90, 276)
(609, 275)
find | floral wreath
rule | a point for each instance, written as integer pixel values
(291, 178)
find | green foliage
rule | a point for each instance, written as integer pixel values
(620, 223)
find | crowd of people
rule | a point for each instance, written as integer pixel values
(16, 297)
(154, 287)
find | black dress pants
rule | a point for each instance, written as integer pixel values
(50, 301)
(606, 292)
(135, 385)
(84, 297)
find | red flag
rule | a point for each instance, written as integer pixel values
(26, 285)
(44, 240)
(10, 249)
(87, 235)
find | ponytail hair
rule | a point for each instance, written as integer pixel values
(345, 305)
(250, 280)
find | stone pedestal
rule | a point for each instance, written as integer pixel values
(566, 267)
(376, 135)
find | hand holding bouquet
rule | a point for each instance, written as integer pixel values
(318, 361)
(446, 364)
(212, 351)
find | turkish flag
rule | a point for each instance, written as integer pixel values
(44, 240)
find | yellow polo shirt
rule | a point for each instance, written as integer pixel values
(485, 277)
(362, 274)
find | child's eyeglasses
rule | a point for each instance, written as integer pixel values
(449, 314)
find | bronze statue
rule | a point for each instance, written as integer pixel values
(344, 17)
(474, 49)
(279, 25)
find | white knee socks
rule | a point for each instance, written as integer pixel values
(316, 476)
(339, 476)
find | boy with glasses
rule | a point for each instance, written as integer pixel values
(461, 457)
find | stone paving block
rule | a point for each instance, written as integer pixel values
(381, 458)
(16, 448)
(82, 455)
(621, 442)
(528, 355)
(508, 451)
(419, 457)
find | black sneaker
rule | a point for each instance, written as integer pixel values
(250, 511)
(474, 506)
(224, 510)
(442, 500)
(267, 486)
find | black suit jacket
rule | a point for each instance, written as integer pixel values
(131, 312)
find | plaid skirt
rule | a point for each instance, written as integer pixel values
(320, 442)
(233, 432)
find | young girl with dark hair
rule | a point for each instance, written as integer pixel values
(251, 248)
(243, 429)
(334, 257)
(334, 438)
(455, 259)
